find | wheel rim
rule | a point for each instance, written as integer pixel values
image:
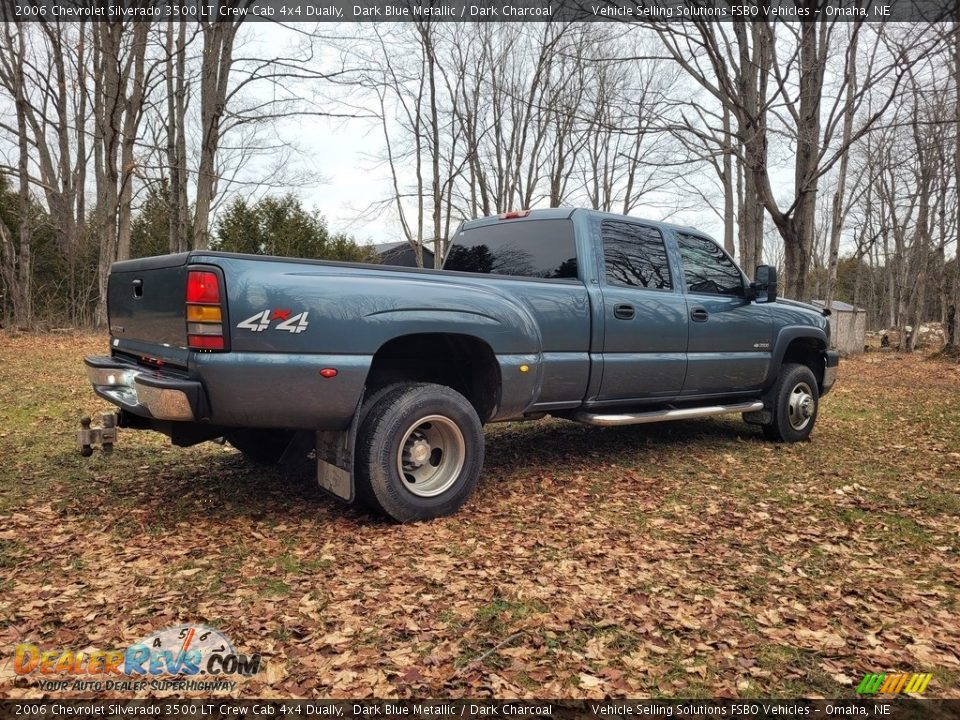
(431, 455)
(801, 407)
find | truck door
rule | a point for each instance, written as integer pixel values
(730, 337)
(645, 316)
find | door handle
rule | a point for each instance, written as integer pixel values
(699, 315)
(624, 311)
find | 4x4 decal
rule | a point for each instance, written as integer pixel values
(261, 321)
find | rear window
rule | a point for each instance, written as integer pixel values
(526, 248)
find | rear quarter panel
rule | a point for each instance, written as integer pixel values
(352, 311)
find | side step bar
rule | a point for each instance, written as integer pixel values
(662, 415)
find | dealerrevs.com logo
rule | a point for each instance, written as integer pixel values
(172, 659)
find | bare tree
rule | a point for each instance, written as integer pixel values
(176, 124)
(218, 39)
(43, 70)
(119, 90)
(626, 156)
(758, 75)
(837, 214)
(736, 74)
(16, 257)
(953, 311)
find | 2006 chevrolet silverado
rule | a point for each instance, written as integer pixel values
(388, 374)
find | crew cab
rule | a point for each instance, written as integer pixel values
(389, 374)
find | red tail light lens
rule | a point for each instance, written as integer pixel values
(203, 287)
(205, 342)
(204, 311)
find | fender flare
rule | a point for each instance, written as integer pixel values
(786, 336)
(505, 326)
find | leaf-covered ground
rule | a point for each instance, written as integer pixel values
(683, 560)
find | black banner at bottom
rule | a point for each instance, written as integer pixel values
(888, 709)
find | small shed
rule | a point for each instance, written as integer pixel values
(848, 326)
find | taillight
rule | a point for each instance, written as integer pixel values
(204, 311)
(514, 214)
(205, 342)
(203, 287)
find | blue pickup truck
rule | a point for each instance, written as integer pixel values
(387, 375)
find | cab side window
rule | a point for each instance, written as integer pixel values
(635, 256)
(707, 268)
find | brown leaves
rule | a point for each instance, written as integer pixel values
(684, 559)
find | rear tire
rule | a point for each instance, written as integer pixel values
(419, 452)
(263, 447)
(794, 404)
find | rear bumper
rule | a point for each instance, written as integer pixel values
(254, 390)
(831, 365)
(143, 392)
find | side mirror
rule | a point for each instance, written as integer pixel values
(764, 285)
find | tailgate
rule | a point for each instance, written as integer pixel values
(145, 301)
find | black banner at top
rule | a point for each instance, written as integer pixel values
(624, 11)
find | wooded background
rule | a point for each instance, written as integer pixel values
(829, 149)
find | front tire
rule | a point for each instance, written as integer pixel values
(794, 404)
(419, 452)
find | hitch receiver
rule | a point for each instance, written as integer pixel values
(105, 436)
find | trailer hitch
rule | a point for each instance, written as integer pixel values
(105, 436)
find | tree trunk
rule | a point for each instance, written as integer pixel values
(173, 169)
(119, 88)
(837, 215)
(23, 309)
(729, 192)
(439, 243)
(955, 305)
(752, 134)
(178, 208)
(183, 174)
(803, 218)
(133, 109)
(218, 40)
(23, 315)
(78, 299)
(108, 112)
(16, 248)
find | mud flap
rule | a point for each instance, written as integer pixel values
(334, 450)
(335, 464)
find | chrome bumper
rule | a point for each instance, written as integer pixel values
(143, 392)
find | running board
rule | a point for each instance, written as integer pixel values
(663, 415)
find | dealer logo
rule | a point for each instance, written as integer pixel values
(184, 650)
(893, 683)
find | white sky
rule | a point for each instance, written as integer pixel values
(344, 153)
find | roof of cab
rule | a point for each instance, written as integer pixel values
(563, 213)
(538, 214)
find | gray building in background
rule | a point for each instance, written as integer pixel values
(848, 326)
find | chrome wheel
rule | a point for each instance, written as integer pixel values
(801, 406)
(431, 455)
